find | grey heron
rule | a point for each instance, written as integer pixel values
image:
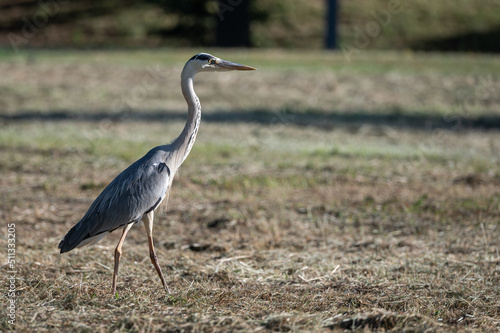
(136, 193)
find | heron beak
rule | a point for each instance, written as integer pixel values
(223, 64)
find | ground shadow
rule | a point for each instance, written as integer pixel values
(486, 41)
(266, 117)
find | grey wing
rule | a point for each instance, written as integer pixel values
(135, 192)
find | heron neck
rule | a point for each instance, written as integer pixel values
(184, 143)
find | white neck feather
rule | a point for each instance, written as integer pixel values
(184, 143)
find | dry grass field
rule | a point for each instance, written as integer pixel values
(320, 195)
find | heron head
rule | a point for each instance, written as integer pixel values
(205, 62)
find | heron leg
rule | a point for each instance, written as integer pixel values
(148, 225)
(118, 254)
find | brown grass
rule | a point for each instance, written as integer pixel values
(281, 226)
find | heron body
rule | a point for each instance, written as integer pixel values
(136, 193)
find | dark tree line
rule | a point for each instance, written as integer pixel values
(198, 22)
(211, 22)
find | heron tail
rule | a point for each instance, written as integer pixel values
(78, 236)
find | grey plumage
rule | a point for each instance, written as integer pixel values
(137, 192)
(133, 193)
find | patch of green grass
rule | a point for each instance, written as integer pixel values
(367, 62)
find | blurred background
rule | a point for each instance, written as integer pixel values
(356, 171)
(470, 26)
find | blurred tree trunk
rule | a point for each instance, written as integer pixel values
(233, 23)
(331, 24)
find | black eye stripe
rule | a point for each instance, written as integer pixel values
(202, 56)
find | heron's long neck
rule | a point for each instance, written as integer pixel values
(183, 144)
